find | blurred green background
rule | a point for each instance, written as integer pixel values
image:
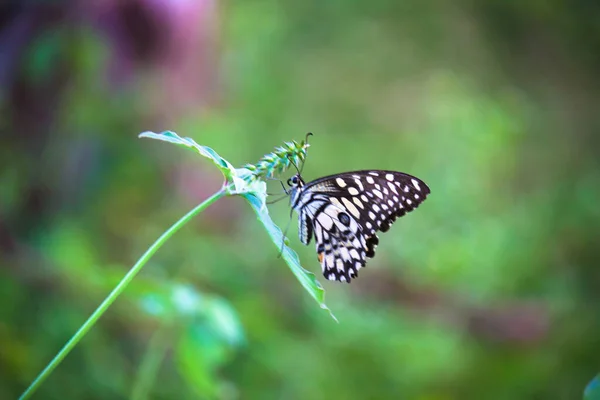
(490, 290)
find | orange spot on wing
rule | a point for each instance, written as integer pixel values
(320, 257)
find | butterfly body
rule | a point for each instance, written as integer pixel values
(343, 213)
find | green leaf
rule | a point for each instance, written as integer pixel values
(306, 278)
(171, 137)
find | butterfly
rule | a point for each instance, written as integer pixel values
(344, 212)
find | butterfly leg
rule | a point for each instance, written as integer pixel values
(285, 234)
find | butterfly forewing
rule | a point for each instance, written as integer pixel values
(344, 211)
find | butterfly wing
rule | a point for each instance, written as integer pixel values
(344, 211)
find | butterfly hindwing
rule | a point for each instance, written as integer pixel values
(344, 211)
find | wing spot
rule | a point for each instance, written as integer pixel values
(391, 185)
(358, 183)
(341, 183)
(378, 193)
(353, 191)
(377, 186)
(372, 215)
(389, 177)
(344, 218)
(386, 191)
(335, 202)
(369, 225)
(339, 264)
(351, 207)
(370, 180)
(373, 173)
(396, 199)
(416, 196)
(409, 202)
(364, 198)
(406, 189)
(331, 277)
(320, 258)
(416, 184)
(375, 207)
(385, 207)
(325, 221)
(358, 202)
(391, 203)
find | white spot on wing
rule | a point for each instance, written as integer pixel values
(345, 255)
(351, 207)
(409, 202)
(341, 183)
(358, 183)
(336, 202)
(364, 198)
(389, 177)
(329, 261)
(377, 193)
(370, 180)
(353, 191)
(372, 215)
(358, 202)
(415, 184)
(325, 221)
(391, 185)
(375, 207)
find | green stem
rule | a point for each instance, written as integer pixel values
(116, 292)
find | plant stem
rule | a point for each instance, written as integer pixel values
(89, 323)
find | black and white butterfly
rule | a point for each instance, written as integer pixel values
(344, 211)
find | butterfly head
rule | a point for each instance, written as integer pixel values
(296, 183)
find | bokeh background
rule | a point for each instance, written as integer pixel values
(490, 290)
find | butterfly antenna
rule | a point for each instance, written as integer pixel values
(289, 157)
(309, 134)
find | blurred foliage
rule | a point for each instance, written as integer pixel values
(488, 291)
